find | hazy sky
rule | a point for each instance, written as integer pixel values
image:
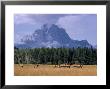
(78, 26)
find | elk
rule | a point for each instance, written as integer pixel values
(36, 65)
(21, 65)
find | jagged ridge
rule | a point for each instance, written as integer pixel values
(51, 36)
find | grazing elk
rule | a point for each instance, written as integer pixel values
(60, 65)
(78, 63)
(21, 65)
(35, 66)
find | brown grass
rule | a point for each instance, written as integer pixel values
(49, 70)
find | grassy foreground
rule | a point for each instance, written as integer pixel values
(50, 70)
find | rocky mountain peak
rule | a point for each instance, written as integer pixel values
(51, 35)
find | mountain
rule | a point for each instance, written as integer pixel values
(95, 46)
(50, 36)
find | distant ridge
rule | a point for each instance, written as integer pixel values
(50, 36)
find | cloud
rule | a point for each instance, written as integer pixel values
(68, 23)
(23, 19)
(18, 37)
(75, 24)
(34, 19)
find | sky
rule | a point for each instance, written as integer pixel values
(78, 26)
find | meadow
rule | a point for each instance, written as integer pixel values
(51, 70)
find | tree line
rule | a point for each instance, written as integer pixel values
(85, 56)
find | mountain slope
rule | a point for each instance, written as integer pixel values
(50, 36)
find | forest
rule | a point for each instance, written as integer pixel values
(53, 56)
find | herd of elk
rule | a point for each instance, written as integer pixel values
(35, 66)
(68, 65)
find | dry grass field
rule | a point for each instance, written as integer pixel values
(50, 70)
